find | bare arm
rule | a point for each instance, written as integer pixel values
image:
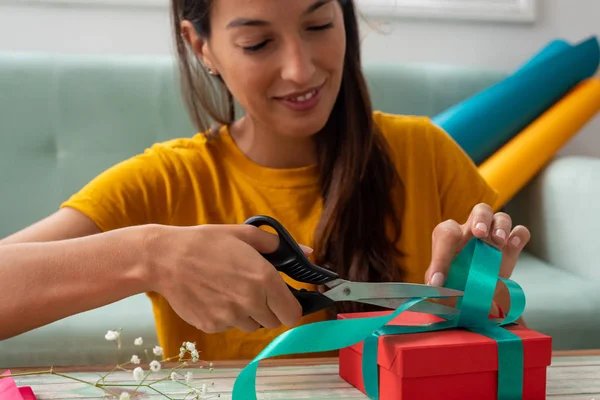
(66, 223)
(62, 266)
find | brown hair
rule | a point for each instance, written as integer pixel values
(359, 224)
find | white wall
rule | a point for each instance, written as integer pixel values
(493, 45)
(146, 31)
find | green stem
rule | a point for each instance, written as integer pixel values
(26, 374)
(82, 381)
(118, 366)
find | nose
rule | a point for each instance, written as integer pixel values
(297, 64)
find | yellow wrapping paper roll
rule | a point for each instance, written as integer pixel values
(518, 161)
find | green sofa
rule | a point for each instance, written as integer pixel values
(64, 118)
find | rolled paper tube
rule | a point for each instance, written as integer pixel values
(551, 49)
(484, 123)
(516, 163)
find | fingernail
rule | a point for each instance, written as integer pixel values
(437, 279)
(481, 226)
(501, 234)
(516, 241)
(306, 249)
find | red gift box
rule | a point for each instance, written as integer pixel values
(446, 364)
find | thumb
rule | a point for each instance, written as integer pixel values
(448, 239)
(262, 240)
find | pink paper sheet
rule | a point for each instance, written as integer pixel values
(10, 391)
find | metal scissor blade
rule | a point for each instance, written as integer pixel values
(424, 306)
(360, 291)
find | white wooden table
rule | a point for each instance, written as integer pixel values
(572, 375)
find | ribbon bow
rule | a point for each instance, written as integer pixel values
(475, 271)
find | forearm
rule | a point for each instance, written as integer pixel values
(44, 282)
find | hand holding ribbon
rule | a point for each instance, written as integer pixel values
(449, 238)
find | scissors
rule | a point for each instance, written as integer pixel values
(291, 260)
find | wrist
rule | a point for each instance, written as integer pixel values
(149, 248)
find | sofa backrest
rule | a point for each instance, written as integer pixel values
(65, 118)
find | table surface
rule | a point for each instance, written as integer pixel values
(572, 375)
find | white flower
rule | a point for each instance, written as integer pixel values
(138, 342)
(190, 346)
(111, 335)
(195, 355)
(175, 376)
(157, 350)
(138, 374)
(188, 378)
(135, 359)
(124, 396)
(155, 366)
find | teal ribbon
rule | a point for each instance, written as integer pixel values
(474, 271)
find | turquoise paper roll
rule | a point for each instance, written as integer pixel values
(553, 48)
(485, 122)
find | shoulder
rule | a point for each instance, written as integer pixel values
(417, 140)
(410, 130)
(176, 155)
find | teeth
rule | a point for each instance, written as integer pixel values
(305, 97)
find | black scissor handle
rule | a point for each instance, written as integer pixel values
(310, 301)
(289, 257)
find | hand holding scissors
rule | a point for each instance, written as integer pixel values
(291, 260)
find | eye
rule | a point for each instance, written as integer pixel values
(256, 47)
(321, 27)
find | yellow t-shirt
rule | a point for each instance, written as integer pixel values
(192, 181)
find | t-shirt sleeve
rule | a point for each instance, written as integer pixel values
(460, 184)
(136, 191)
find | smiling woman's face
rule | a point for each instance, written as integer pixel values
(281, 59)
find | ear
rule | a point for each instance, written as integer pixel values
(198, 45)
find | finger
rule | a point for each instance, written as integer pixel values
(247, 324)
(517, 240)
(480, 220)
(447, 241)
(263, 241)
(500, 229)
(263, 314)
(282, 302)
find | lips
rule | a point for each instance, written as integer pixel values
(301, 96)
(302, 101)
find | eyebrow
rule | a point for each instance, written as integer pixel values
(257, 22)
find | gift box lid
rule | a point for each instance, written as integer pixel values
(448, 351)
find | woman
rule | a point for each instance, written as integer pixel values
(378, 196)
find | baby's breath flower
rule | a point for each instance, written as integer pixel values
(175, 376)
(138, 374)
(124, 396)
(188, 377)
(195, 355)
(135, 359)
(157, 350)
(138, 341)
(155, 366)
(111, 335)
(190, 346)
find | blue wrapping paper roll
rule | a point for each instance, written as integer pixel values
(551, 49)
(482, 124)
